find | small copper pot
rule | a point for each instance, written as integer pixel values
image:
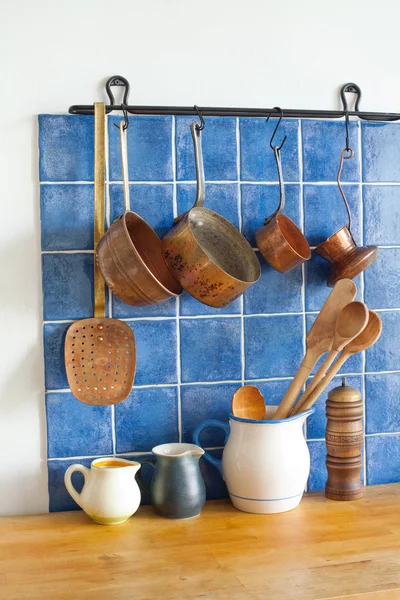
(340, 249)
(348, 259)
(129, 255)
(280, 241)
(205, 253)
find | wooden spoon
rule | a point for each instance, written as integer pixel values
(365, 340)
(319, 340)
(248, 403)
(352, 320)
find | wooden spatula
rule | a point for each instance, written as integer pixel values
(100, 354)
(366, 339)
(351, 321)
(319, 340)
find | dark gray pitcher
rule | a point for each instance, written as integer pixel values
(177, 489)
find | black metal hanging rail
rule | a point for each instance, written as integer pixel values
(117, 80)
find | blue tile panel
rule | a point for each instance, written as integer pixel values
(257, 159)
(67, 217)
(149, 142)
(148, 417)
(191, 358)
(323, 143)
(219, 149)
(380, 142)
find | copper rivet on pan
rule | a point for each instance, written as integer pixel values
(99, 326)
(100, 338)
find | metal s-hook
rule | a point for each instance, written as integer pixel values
(354, 89)
(279, 148)
(343, 157)
(200, 115)
(126, 118)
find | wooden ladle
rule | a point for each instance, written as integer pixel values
(365, 340)
(351, 321)
(248, 403)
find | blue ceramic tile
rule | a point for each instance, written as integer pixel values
(274, 292)
(382, 281)
(219, 149)
(149, 141)
(210, 349)
(120, 310)
(318, 472)
(383, 459)
(274, 346)
(202, 402)
(189, 306)
(260, 201)
(352, 364)
(66, 213)
(325, 212)
(382, 214)
(316, 423)
(385, 354)
(76, 429)
(317, 272)
(215, 486)
(154, 203)
(67, 281)
(256, 157)
(380, 144)
(148, 417)
(53, 337)
(222, 198)
(273, 391)
(66, 145)
(59, 498)
(383, 402)
(155, 351)
(323, 142)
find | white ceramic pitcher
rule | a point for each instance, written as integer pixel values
(265, 464)
(110, 494)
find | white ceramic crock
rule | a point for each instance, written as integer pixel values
(265, 464)
(110, 494)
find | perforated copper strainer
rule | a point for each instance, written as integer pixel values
(100, 353)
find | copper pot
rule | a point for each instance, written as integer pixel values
(280, 241)
(340, 249)
(205, 253)
(129, 255)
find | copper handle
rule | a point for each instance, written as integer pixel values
(99, 182)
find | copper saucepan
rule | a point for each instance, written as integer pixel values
(209, 257)
(280, 241)
(129, 255)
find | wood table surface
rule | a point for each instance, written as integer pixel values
(323, 549)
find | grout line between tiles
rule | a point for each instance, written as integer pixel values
(177, 301)
(230, 181)
(362, 289)
(238, 170)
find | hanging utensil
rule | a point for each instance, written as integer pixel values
(365, 340)
(340, 249)
(248, 403)
(100, 353)
(129, 254)
(209, 257)
(319, 340)
(280, 241)
(351, 321)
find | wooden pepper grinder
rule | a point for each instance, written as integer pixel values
(344, 441)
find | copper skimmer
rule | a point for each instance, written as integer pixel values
(100, 353)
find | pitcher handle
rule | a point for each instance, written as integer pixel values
(216, 462)
(139, 478)
(68, 481)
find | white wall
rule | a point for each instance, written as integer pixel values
(292, 53)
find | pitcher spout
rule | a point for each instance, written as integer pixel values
(178, 450)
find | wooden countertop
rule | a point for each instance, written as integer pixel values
(323, 549)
